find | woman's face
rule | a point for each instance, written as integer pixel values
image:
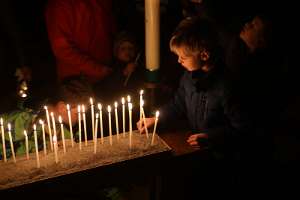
(126, 52)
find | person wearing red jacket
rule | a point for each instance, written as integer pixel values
(81, 37)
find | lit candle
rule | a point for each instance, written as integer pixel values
(62, 133)
(3, 140)
(129, 102)
(53, 123)
(55, 148)
(117, 120)
(130, 123)
(11, 142)
(155, 124)
(141, 106)
(36, 147)
(70, 124)
(101, 121)
(84, 124)
(49, 127)
(92, 114)
(44, 136)
(144, 119)
(79, 126)
(123, 115)
(109, 122)
(26, 144)
(96, 131)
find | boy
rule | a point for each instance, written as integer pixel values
(203, 97)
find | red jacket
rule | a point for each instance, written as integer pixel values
(81, 36)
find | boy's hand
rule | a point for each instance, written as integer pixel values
(197, 141)
(130, 67)
(149, 122)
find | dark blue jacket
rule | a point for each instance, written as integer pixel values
(205, 100)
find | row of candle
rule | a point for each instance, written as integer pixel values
(53, 140)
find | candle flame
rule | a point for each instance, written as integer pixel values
(52, 114)
(54, 139)
(108, 108)
(45, 107)
(9, 126)
(1, 122)
(83, 108)
(97, 115)
(123, 100)
(68, 107)
(99, 106)
(141, 92)
(25, 133)
(59, 119)
(116, 104)
(91, 101)
(130, 106)
(128, 98)
(41, 122)
(78, 108)
(34, 127)
(157, 114)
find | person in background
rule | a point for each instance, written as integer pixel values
(81, 35)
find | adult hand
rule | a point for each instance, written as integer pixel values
(130, 67)
(141, 126)
(197, 141)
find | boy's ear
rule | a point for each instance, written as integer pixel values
(204, 55)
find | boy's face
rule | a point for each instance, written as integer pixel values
(189, 62)
(126, 52)
(252, 32)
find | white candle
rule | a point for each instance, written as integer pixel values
(144, 119)
(55, 148)
(3, 140)
(155, 124)
(26, 144)
(84, 124)
(101, 121)
(123, 115)
(11, 142)
(36, 147)
(62, 133)
(109, 122)
(70, 125)
(141, 101)
(130, 123)
(44, 136)
(49, 127)
(92, 114)
(53, 123)
(117, 120)
(79, 126)
(129, 102)
(96, 131)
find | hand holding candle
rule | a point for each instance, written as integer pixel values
(155, 124)
(44, 136)
(36, 147)
(3, 140)
(70, 124)
(11, 142)
(62, 133)
(26, 144)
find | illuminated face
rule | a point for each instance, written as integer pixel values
(252, 33)
(189, 61)
(126, 52)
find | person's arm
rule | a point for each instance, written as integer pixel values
(59, 19)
